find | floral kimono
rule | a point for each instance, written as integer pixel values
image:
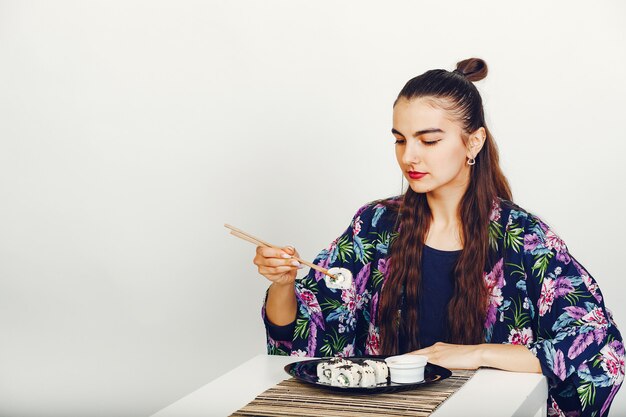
(540, 297)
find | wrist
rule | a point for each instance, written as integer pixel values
(482, 354)
(281, 304)
(282, 286)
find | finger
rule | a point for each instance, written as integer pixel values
(281, 262)
(271, 252)
(290, 250)
(276, 270)
(274, 262)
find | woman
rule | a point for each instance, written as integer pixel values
(452, 269)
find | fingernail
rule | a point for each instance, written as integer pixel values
(295, 263)
(286, 256)
(301, 266)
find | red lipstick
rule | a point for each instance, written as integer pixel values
(416, 175)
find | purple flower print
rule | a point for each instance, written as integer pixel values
(374, 309)
(324, 264)
(530, 242)
(575, 311)
(579, 345)
(563, 287)
(361, 278)
(383, 266)
(495, 282)
(558, 366)
(563, 257)
(312, 345)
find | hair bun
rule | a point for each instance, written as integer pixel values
(474, 69)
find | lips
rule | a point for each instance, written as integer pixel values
(416, 175)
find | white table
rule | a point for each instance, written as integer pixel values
(489, 392)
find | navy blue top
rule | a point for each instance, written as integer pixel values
(437, 290)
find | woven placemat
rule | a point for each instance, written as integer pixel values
(293, 398)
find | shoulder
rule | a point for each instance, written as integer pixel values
(538, 243)
(387, 202)
(378, 213)
(514, 215)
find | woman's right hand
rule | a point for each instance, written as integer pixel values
(277, 265)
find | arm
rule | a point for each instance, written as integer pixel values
(577, 343)
(279, 335)
(280, 304)
(516, 358)
(325, 321)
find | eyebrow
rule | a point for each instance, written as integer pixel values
(419, 132)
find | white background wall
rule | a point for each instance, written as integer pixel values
(130, 131)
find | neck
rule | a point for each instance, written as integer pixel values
(445, 229)
(444, 204)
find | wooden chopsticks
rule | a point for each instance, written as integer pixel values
(246, 236)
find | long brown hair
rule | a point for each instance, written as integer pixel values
(454, 92)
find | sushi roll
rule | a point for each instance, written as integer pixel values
(324, 371)
(368, 376)
(339, 361)
(346, 376)
(380, 369)
(342, 280)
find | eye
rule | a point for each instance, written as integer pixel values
(430, 142)
(400, 141)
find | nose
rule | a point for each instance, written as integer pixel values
(412, 153)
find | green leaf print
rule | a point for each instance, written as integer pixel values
(517, 269)
(597, 359)
(274, 350)
(495, 234)
(329, 304)
(377, 278)
(587, 394)
(513, 237)
(541, 264)
(302, 329)
(383, 238)
(520, 316)
(574, 296)
(333, 343)
(309, 284)
(344, 249)
(364, 250)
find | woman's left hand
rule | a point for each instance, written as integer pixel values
(452, 356)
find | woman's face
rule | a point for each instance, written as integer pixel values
(429, 147)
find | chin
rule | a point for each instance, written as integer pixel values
(420, 188)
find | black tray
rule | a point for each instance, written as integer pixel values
(306, 371)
